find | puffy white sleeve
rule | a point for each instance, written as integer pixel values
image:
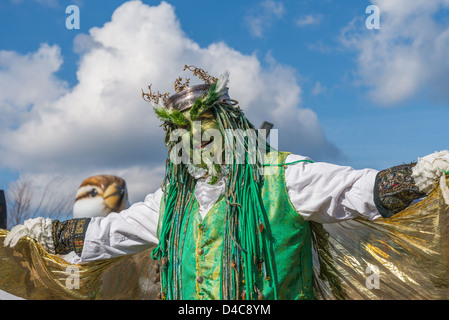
(329, 193)
(130, 231)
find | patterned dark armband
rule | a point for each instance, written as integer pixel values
(69, 235)
(395, 190)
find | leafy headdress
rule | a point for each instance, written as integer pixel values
(247, 250)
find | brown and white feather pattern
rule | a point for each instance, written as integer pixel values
(100, 195)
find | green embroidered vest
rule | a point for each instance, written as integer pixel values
(292, 245)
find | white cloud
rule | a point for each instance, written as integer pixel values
(102, 125)
(263, 16)
(308, 20)
(318, 88)
(50, 3)
(27, 80)
(407, 55)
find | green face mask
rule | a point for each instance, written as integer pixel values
(203, 141)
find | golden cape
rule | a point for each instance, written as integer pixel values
(403, 257)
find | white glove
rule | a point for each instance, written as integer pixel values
(39, 229)
(431, 170)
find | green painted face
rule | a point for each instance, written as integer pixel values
(205, 143)
(207, 120)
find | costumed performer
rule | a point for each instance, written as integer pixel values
(227, 229)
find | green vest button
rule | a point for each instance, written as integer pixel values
(199, 279)
(200, 251)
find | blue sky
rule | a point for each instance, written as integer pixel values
(336, 91)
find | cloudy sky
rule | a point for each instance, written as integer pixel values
(337, 91)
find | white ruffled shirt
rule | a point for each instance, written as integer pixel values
(319, 191)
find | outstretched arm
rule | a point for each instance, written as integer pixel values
(329, 193)
(127, 232)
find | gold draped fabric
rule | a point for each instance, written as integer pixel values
(404, 257)
(28, 271)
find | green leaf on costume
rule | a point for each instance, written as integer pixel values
(213, 180)
(162, 113)
(176, 117)
(195, 110)
(201, 105)
(212, 96)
